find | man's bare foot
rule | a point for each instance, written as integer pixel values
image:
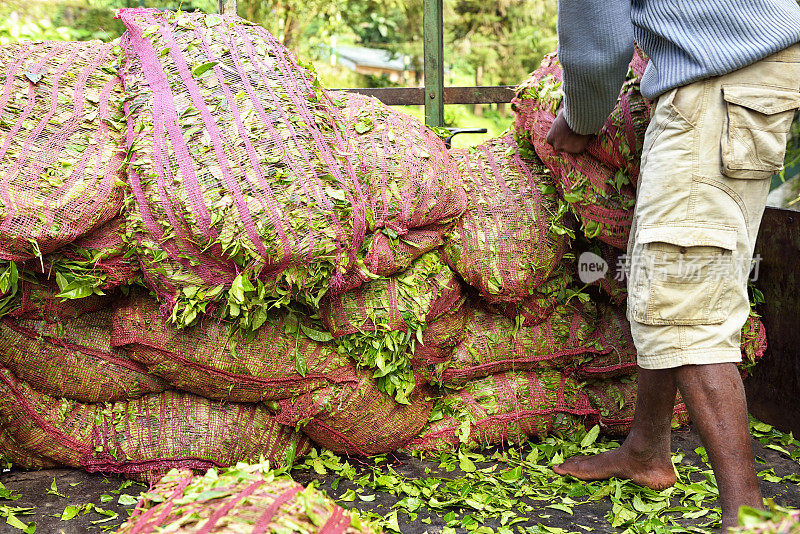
(655, 473)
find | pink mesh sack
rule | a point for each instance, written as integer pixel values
(237, 500)
(146, 437)
(505, 408)
(381, 323)
(357, 418)
(412, 181)
(240, 174)
(73, 358)
(617, 356)
(615, 401)
(63, 348)
(494, 344)
(61, 143)
(599, 183)
(90, 265)
(216, 362)
(504, 245)
(11, 452)
(537, 307)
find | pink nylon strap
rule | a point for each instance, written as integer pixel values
(223, 510)
(263, 522)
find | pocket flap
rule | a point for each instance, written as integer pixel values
(689, 235)
(759, 98)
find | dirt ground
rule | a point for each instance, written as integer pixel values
(77, 488)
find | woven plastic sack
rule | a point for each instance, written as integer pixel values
(412, 181)
(73, 358)
(505, 408)
(95, 262)
(214, 361)
(240, 499)
(239, 173)
(11, 452)
(504, 245)
(617, 354)
(615, 402)
(61, 143)
(357, 418)
(537, 307)
(599, 183)
(495, 344)
(146, 437)
(380, 323)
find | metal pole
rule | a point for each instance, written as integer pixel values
(433, 53)
(227, 7)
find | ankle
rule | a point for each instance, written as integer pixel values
(646, 447)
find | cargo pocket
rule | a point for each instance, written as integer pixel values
(759, 119)
(685, 275)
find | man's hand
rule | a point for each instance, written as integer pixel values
(562, 138)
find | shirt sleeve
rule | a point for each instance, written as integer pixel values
(595, 46)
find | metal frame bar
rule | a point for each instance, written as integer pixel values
(415, 96)
(433, 54)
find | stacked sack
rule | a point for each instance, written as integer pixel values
(207, 259)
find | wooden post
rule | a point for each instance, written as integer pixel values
(227, 7)
(433, 53)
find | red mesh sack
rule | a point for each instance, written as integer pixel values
(73, 358)
(239, 168)
(100, 261)
(504, 245)
(237, 500)
(615, 402)
(62, 348)
(61, 143)
(380, 323)
(505, 408)
(146, 437)
(494, 344)
(754, 343)
(411, 179)
(599, 183)
(357, 418)
(617, 354)
(216, 362)
(11, 452)
(537, 307)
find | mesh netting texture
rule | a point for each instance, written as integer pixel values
(238, 167)
(358, 418)
(599, 183)
(237, 500)
(214, 361)
(615, 401)
(494, 343)
(504, 244)
(505, 407)
(382, 322)
(61, 143)
(146, 437)
(413, 185)
(248, 179)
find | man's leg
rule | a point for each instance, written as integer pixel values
(714, 395)
(644, 457)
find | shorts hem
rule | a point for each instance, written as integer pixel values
(689, 357)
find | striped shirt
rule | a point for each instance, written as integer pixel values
(686, 40)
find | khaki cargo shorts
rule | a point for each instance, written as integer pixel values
(709, 153)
